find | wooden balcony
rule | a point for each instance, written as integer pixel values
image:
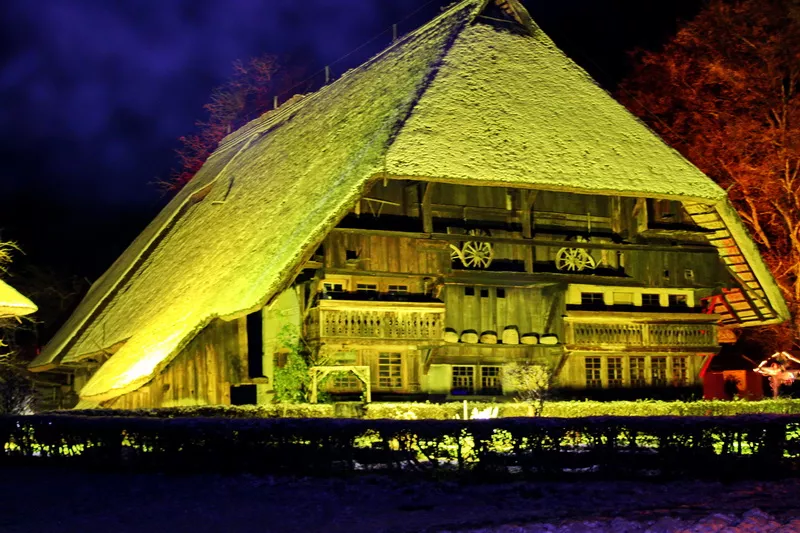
(597, 335)
(381, 321)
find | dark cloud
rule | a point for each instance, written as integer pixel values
(96, 93)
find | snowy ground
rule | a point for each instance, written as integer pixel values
(45, 500)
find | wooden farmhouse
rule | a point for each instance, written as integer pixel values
(467, 198)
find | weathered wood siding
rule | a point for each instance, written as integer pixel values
(675, 269)
(378, 253)
(531, 310)
(202, 373)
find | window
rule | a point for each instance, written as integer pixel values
(677, 300)
(366, 287)
(501, 293)
(490, 380)
(463, 379)
(350, 255)
(651, 300)
(658, 371)
(614, 369)
(333, 287)
(398, 289)
(484, 293)
(667, 212)
(636, 372)
(345, 380)
(592, 298)
(679, 377)
(593, 376)
(390, 371)
(469, 291)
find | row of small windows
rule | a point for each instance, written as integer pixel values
(484, 293)
(648, 299)
(641, 371)
(365, 287)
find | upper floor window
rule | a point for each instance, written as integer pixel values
(367, 287)
(678, 300)
(651, 300)
(333, 287)
(398, 289)
(592, 298)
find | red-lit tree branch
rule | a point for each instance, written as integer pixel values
(245, 96)
(725, 92)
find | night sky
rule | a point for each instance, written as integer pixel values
(95, 93)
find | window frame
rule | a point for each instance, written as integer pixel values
(387, 382)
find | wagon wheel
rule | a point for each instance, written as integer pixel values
(455, 253)
(477, 254)
(473, 254)
(575, 259)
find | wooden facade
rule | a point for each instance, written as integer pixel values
(391, 288)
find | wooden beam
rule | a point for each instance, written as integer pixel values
(530, 242)
(427, 215)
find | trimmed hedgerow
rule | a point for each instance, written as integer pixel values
(451, 410)
(541, 448)
(275, 410)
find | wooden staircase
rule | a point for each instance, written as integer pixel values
(748, 303)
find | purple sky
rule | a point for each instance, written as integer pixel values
(95, 93)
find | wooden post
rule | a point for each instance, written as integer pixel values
(427, 214)
(313, 385)
(527, 198)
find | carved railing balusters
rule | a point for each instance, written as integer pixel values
(591, 333)
(372, 324)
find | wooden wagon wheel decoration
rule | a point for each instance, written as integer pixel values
(473, 254)
(575, 259)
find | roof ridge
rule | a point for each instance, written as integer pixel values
(272, 117)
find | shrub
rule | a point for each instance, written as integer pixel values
(538, 448)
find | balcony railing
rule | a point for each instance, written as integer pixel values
(662, 335)
(359, 320)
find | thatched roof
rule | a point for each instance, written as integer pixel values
(12, 303)
(458, 100)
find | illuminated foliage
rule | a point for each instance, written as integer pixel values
(292, 381)
(725, 93)
(248, 94)
(532, 383)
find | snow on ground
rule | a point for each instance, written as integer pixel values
(44, 500)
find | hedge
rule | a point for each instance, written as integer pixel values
(752, 446)
(450, 410)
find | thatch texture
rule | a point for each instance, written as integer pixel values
(454, 101)
(12, 303)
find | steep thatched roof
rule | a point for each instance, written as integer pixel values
(12, 303)
(458, 100)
